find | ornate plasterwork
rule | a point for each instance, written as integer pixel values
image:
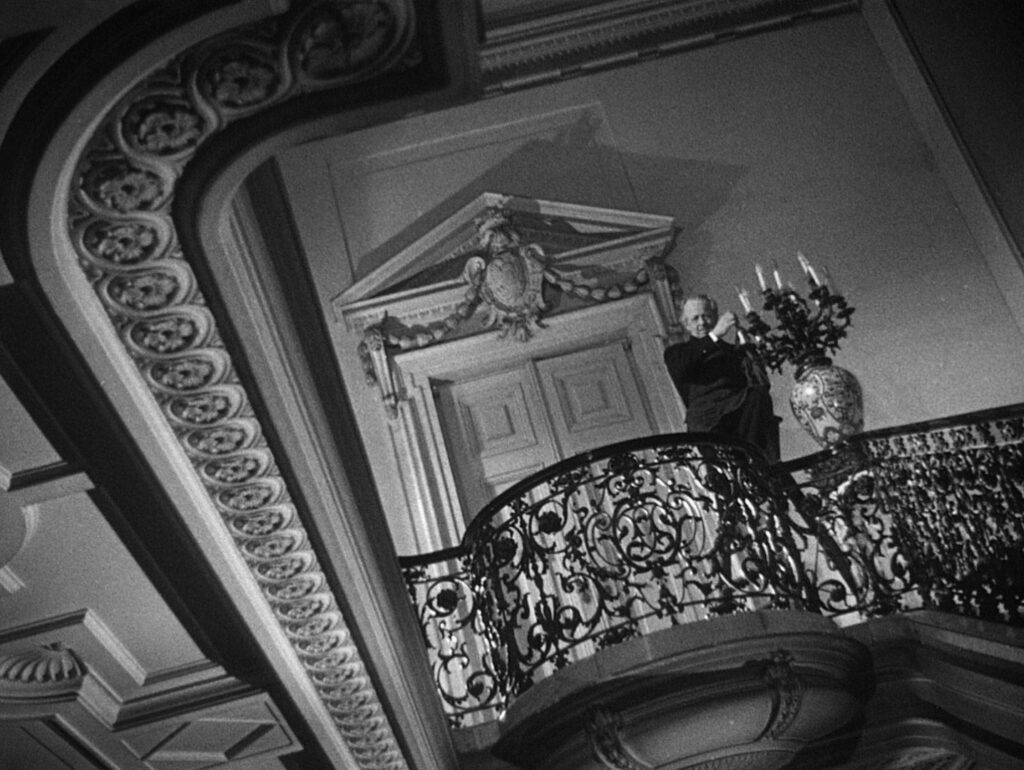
(42, 665)
(505, 276)
(787, 692)
(43, 673)
(489, 266)
(603, 731)
(558, 45)
(121, 225)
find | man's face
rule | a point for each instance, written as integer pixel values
(698, 317)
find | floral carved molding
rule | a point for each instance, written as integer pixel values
(121, 226)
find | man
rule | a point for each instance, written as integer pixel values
(725, 391)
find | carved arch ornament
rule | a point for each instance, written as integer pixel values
(119, 223)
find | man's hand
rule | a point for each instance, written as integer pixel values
(726, 323)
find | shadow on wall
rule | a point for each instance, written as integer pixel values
(576, 167)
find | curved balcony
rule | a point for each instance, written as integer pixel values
(636, 539)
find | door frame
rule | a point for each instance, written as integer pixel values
(428, 474)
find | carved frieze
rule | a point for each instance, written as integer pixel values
(120, 222)
(531, 48)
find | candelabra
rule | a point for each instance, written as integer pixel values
(826, 399)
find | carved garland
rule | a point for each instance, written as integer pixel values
(507, 277)
(120, 222)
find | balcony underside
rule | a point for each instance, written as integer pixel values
(918, 690)
(751, 689)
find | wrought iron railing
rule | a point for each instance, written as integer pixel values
(468, 671)
(673, 529)
(924, 515)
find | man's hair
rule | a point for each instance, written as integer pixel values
(699, 297)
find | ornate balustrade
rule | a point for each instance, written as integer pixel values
(468, 673)
(672, 529)
(924, 515)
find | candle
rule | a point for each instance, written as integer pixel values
(744, 299)
(741, 336)
(760, 277)
(775, 274)
(830, 282)
(808, 269)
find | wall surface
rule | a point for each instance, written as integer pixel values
(796, 139)
(972, 54)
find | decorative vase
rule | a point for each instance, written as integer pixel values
(827, 401)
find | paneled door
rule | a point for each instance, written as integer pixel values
(594, 398)
(506, 425)
(497, 431)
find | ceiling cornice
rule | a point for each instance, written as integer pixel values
(523, 52)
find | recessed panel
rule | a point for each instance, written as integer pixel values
(595, 398)
(592, 396)
(495, 416)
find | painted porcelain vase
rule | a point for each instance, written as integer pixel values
(827, 401)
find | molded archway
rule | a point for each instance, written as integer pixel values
(126, 191)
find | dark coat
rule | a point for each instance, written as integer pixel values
(724, 392)
(710, 378)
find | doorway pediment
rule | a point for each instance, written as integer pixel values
(423, 282)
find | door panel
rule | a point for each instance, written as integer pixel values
(594, 398)
(504, 426)
(497, 433)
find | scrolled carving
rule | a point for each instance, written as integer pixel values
(273, 547)
(170, 334)
(303, 609)
(207, 408)
(250, 496)
(123, 186)
(123, 243)
(154, 290)
(603, 731)
(240, 78)
(236, 468)
(327, 668)
(312, 627)
(189, 373)
(338, 42)
(284, 569)
(340, 702)
(506, 276)
(261, 523)
(163, 125)
(787, 692)
(341, 685)
(220, 440)
(296, 588)
(120, 222)
(323, 644)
